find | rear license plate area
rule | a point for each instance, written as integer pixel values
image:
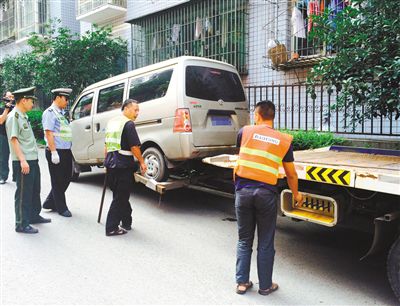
(221, 120)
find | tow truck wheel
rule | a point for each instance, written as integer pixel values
(393, 267)
(156, 166)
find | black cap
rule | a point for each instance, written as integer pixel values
(61, 92)
(27, 93)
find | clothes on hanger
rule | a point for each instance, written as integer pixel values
(313, 9)
(298, 24)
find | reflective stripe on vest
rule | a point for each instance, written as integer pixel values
(65, 132)
(114, 133)
(261, 152)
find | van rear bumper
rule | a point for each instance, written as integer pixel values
(189, 151)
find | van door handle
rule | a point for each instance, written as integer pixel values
(97, 127)
(87, 128)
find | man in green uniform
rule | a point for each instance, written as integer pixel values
(24, 153)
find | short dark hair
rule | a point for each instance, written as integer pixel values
(127, 102)
(266, 109)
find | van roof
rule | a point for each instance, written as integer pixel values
(148, 68)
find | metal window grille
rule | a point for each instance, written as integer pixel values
(215, 29)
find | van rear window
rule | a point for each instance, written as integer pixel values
(213, 84)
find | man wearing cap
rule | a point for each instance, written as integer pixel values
(24, 153)
(58, 151)
(8, 99)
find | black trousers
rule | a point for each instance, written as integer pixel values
(60, 175)
(120, 182)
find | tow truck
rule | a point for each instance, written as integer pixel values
(358, 188)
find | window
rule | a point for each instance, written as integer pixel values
(213, 84)
(216, 29)
(149, 87)
(302, 24)
(110, 98)
(83, 107)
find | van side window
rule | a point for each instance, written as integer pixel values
(213, 84)
(151, 86)
(110, 98)
(83, 107)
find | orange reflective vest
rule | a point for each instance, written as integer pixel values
(261, 152)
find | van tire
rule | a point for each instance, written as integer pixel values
(393, 267)
(156, 166)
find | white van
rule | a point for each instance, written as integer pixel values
(190, 107)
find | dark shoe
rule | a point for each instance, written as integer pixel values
(40, 219)
(268, 291)
(2, 181)
(242, 288)
(126, 227)
(116, 232)
(66, 213)
(27, 230)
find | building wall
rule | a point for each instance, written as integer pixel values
(64, 10)
(270, 20)
(140, 8)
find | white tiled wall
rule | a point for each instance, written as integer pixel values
(139, 8)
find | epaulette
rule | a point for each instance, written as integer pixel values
(50, 109)
(16, 115)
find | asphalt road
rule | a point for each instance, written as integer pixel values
(179, 252)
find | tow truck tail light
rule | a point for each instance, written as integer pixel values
(182, 122)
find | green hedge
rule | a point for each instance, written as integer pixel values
(35, 119)
(304, 140)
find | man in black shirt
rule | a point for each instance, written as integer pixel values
(4, 148)
(122, 145)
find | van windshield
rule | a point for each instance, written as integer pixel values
(213, 84)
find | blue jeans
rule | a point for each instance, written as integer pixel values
(255, 207)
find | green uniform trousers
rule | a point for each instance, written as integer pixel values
(4, 156)
(27, 196)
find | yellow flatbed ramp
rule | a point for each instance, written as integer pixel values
(369, 169)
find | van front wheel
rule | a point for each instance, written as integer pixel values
(156, 166)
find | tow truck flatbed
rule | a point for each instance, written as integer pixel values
(368, 169)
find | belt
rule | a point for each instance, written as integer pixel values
(48, 149)
(125, 152)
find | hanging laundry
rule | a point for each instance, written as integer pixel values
(198, 28)
(313, 9)
(208, 27)
(176, 29)
(322, 5)
(298, 25)
(154, 43)
(337, 6)
(224, 31)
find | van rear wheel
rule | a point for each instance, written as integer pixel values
(393, 267)
(156, 166)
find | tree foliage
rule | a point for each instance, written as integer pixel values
(63, 59)
(18, 72)
(366, 66)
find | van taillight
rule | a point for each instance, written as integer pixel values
(182, 121)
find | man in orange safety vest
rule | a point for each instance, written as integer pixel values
(262, 151)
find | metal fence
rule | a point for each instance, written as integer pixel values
(298, 110)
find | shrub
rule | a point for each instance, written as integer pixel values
(35, 119)
(304, 140)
